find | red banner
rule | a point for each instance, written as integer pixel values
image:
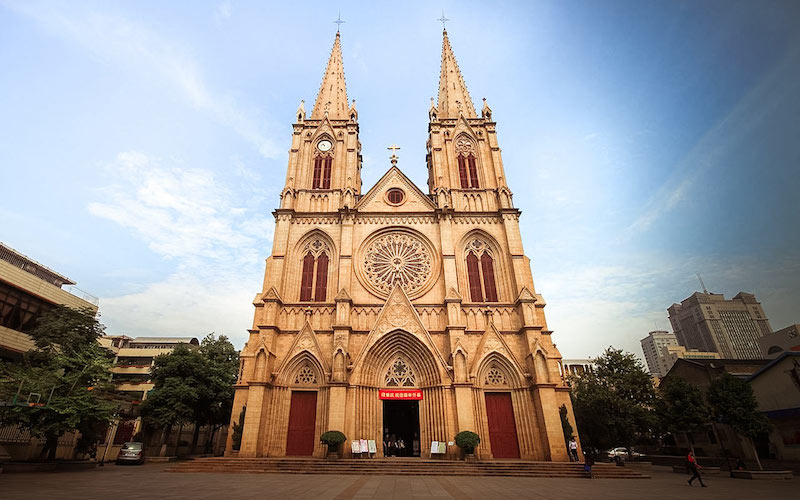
(401, 394)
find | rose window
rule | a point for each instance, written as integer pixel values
(400, 374)
(495, 377)
(397, 258)
(306, 376)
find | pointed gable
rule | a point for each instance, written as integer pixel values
(399, 314)
(305, 341)
(414, 200)
(493, 342)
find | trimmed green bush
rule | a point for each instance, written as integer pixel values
(333, 439)
(467, 441)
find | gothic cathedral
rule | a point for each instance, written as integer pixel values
(395, 315)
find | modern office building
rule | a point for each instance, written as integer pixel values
(709, 322)
(27, 289)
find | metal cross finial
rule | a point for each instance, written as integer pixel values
(393, 148)
(339, 22)
(443, 20)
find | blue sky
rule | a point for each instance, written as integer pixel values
(143, 145)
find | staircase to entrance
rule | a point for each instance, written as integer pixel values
(402, 466)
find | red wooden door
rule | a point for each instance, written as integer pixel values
(502, 427)
(302, 420)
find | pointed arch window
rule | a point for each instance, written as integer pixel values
(322, 172)
(467, 163)
(480, 273)
(314, 276)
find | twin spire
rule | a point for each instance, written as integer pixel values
(454, 98)
(332, 96)
(453, 95)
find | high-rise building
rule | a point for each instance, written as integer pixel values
(27, 289)
(395, 311)
(653, 346)
(710, 322)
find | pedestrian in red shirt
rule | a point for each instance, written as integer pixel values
(691, 464)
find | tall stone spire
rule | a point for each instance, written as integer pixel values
(453, 95)
(332, 96)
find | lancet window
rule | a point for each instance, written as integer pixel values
(400, 374)
(480, 272)
(314, 276)
(322, 172)
(467, 166)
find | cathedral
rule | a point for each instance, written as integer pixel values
(396, 314)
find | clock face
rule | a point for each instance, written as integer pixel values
(324, 145)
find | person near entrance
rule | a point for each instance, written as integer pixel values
(573, 450)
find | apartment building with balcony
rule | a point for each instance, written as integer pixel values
(28, 289)
(134, 358)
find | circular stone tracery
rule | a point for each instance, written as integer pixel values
(397, 257)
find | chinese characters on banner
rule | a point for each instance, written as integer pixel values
(400, 394)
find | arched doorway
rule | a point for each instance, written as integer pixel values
(384, 398)
(400, 396)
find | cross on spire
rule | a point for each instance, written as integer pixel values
(393, 148)
(338, 22)
(443, 20)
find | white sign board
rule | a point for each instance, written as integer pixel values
(364, 447)
(356, 446)
(372, 447)
(434, 447)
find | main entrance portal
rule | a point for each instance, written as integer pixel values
(401, 428)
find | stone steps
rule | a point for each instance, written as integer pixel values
(412, 467)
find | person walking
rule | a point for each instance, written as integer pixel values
(573, 450)
(588, 463)
(691, 463)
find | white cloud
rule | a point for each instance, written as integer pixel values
(184, 304)
(122, 42)
(196, 220)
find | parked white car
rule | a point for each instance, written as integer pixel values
(621, 453)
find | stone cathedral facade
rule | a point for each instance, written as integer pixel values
(395, 313)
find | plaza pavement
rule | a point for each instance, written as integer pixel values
(150, 481)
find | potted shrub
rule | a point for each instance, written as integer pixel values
(467, 441)
(333, 439)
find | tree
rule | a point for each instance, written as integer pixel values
(193, 386)
(681, 408)
(69, 370)
(176, 392)
(733, 403)
(216, 397)
(614, 404)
